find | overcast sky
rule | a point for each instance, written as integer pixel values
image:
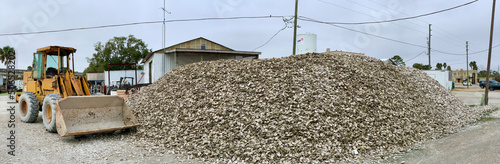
(450, 30)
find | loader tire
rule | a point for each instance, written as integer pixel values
(49, 112)
(28, 107)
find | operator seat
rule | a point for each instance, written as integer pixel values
(51, 71)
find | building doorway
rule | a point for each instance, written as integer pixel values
(150, 70)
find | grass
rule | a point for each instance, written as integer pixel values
(6, 93)
(486, 119)
(487, 116)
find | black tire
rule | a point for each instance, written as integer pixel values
(49, 112)
(28, 107)
(492, 89)
(482, 87)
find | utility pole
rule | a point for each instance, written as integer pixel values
(467, 59)
(429, 46)
(164, 28)
(489, 55)
(164, 31)
(295, 27)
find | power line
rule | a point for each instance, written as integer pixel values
(457, 54)
(413, 17)
(457, 39)
(399, 19)
(394, 40)
(367, 15)
(365, 6)
(138, 23)
(344, 7)
(386, 38)
(401, 13)
(286, 25)
(415, 56)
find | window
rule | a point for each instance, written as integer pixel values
(203, 46)
(37, 66)
(51, 61)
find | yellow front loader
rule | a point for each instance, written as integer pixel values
(64, 98)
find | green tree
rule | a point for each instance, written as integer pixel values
(482, 73)
(448, 68)
(439, 66)
(445, 66)
(398, 60)
(473, 65)
(29, 68)
(117, 50)
(4, 54)
(420, 66)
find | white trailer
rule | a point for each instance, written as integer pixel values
(442, 76)
(18, 84)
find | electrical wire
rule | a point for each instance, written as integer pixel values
(456, 38)
(415, 56)
(406, 18)
(344, 7)
(446, 41)
(286, 25)
(367, 15)
(394, 40)
(345, 28)
(138, 23)
(472, 53)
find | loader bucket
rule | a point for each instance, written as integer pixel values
(81, 115)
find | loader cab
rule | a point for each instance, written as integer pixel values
(51, 61)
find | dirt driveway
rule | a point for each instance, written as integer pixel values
(34, 145)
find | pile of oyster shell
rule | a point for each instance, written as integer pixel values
(303, 108)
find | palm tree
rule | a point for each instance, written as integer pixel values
(4, 54)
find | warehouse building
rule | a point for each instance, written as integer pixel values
(159, 62)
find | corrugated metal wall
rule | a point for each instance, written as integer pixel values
(95, 76)
(197, 44)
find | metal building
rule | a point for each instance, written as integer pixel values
(159, 62)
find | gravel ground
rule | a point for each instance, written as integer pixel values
(476, 144)
(34, 145)
(474, 98)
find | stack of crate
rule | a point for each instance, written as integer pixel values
(123, 94)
